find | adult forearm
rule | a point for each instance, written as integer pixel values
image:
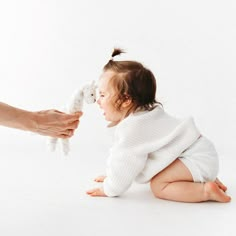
(47, 122)
(17, 118)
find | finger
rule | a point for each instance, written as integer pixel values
(63, 136)
(100, 178)
(66, 133)
(73, 125)
(91, 191)
(74, 116)
(80, 113)
(97, 192)
(58, 111)
(69, 132)
(97, 180)
(94, 192)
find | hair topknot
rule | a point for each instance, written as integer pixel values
(117, 51)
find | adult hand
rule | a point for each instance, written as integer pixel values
(55, 123)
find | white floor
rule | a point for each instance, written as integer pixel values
(45, 195)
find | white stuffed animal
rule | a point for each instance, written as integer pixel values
(86, 94)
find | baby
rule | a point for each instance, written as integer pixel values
(149, 144)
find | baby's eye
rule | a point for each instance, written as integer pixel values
(91, 95)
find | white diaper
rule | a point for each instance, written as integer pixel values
(202, 160)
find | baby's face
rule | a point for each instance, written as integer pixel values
(106, 98)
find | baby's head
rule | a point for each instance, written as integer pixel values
(131, 86)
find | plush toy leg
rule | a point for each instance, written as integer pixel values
(65, 146)
(52, 142)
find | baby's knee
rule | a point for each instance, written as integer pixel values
(157, 187)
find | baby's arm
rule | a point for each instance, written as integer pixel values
(120, 175)
(122, 171)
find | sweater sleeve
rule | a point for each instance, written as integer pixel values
(122, 169)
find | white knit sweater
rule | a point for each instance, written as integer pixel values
(144, 144)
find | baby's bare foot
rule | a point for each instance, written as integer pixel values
(214, 192)
(220, 184)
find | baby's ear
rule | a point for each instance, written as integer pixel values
(127, 102)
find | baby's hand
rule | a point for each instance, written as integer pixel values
(96, 192)
(100, 178)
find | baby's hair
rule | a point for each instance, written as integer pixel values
(117, 51)
(131, 80)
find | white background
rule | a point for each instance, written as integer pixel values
(48, 48)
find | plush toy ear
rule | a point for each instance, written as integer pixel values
(94, 84)
(84, 88)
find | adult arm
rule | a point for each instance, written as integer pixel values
(49, 122)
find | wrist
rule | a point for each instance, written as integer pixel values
(32, 122)
(27, 121)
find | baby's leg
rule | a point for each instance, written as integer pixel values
(176, 183)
